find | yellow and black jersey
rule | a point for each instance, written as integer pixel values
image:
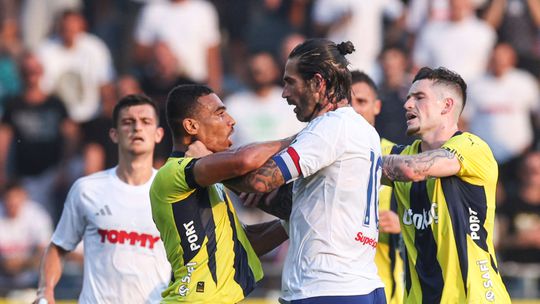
(211, 258)
(387, 257)
(447, 227)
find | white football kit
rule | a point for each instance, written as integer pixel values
(124, 257)
(333, 226)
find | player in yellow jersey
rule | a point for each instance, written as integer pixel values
(389, 263)
(445, 186)
(213, 258)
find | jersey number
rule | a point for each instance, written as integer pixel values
(373, 190)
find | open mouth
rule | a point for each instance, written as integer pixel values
(410, 116)
(137, 139)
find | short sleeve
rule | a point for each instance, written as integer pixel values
(70, 228)
(477, 162)
(319, 145)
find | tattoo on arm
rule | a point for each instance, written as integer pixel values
(396, 167)
(266, 178)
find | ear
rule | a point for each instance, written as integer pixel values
(319, 83)
(377, 107)
(159, 135)
(113, 134)
(191, 126)
(448, 105)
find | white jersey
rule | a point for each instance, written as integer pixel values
(333, 226)
(125, 260)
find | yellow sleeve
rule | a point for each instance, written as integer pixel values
(477, 162)
(170, 184)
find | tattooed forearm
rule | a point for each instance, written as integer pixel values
(266, 178)
(262, 180)
(413, 167)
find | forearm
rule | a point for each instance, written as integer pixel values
(494, 13)
(266, 236)
(419, 167)
(262, 180)
(51, 271)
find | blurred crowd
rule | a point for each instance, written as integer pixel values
(64, 64)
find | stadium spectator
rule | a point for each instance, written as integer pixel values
(78, 68)
(461, 43)
(502, 105)
(261, 113)
(213, 256)
(520, 215)
(10, 49)
(190, 28)
(365, 102)
(391, 123)
(361, 22)
(445, 185)
(37, 139)
(517, 23)
(124, 258)
(25, 229)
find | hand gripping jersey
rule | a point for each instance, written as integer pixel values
(124, 258)
(387, 258)
(211, 257)
(333, 224)
(447, 226)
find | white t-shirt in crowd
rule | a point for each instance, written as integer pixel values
(360, 22)
(333, 228)
(77, 74)
(499, 111)
(189, 28)
(462, 47)
(124, 257)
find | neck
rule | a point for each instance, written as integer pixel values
(34, 95)
(264, 91)
(434, 140)
(134, 169)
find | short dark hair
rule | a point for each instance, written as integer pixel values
(359, 76)
(133, 100)
(324, 57)
(182, 103)
(446, 77)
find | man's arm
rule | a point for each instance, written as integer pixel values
(50, 272)
(229, 164)
(435, 163)
(266, 236)
(262, 180)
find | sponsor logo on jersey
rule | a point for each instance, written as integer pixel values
(421, 220)
(365, 240)
(183, 289)
(128, 237)
(486, 280)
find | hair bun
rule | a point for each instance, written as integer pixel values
(345, 48)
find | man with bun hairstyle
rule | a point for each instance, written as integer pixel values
(335, 163)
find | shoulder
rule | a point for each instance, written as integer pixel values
(91, 181)
(468, 145)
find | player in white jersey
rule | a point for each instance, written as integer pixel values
(336, 164)
(124, 257)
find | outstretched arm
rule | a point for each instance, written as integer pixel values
(229, 164)
(262, 180)
(435, 163)
(51, 270)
